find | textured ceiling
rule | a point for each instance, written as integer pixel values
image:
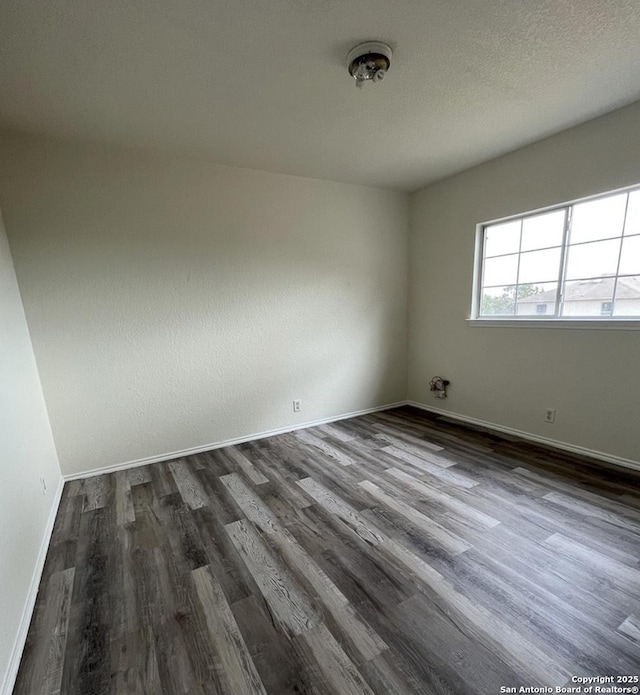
(263, 83)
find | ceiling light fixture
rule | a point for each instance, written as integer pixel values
(369, 62)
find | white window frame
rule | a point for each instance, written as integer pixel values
(543, 320)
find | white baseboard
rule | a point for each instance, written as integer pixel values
(556, 444)
(225, 442)
(600, 455)
(21, 638)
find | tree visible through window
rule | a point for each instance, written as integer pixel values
(579, 260)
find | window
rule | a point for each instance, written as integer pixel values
(580, 260)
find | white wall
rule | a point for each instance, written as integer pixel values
(27, 453)
(508, 376)
(173, 303)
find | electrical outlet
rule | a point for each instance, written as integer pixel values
(550, 415)
(43, 483)
(297, 406)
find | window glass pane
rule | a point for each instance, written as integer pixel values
(502, 238)
(632, 224)
(630, 259)
(537, 299)
(593, 260)
(498, 301)
(539, 266)
(542, 231)
(627, 297)
(587, 297)
(500, 271)
(598, 219)
(606, 309)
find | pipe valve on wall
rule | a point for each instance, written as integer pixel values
(438, 386)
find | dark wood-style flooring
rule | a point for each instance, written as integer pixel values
(392, 553)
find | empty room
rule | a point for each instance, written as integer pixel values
(319, 347)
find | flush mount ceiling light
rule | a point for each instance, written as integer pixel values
(369, 62)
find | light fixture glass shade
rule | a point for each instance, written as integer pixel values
(369, 62)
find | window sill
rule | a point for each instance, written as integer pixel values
(580, 324)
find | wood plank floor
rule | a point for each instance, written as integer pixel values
(391, 553)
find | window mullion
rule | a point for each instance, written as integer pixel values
(515, 299)
(563, 261)
(615, 280)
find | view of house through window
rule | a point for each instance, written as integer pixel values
(578, 260)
